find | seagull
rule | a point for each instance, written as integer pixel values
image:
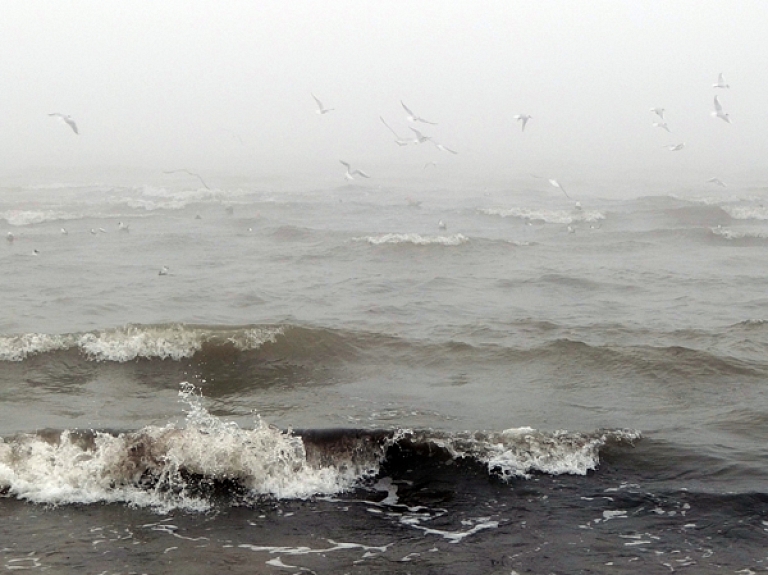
(35, 252)
(428, 164)
(350, 172)
(442, 225)
(68, 120)
(198, 176)
(320, 108)
(163, 271)
(93, 231)
(398, 140)
(443, 148)
(123, 227)
(717, 182)
(719, 112)
(557, 185)
(674, 147)
(663, 126)
(64, 232)
(523, 118)
(420, 138)
(10, 237)
(721, 82)
(414, 118)
(659, 112)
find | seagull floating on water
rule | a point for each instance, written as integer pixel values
(718, 113)
(64, 232)
(442, 225)
(413, 117)
(163, 271)
(398, 140)
(10, 237)
(659, 112)
(663, 126)
(523, 118)
(123, 227)
(351, 173)
(560, 187)
(721, 82)
(320, 108)
(717, 182)
(68, 120)
(675, 147)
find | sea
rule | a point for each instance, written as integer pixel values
(217, 373)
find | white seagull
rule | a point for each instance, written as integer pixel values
(123, 227)
(163, 271)
(398, 140)
(675, 147)
(522, 118)
(68, 120)
(413, 117)
(717, 182)
(320, 108)
(64, 232)
(718, 113)
(442, 225)
(721, 82)
(10, 237)
(560, 187)
(351, 173)
(659, 112)
(443, 148)
(420, 138)
(663, 126)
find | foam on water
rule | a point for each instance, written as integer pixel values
(548, 216)
(747, 212)
(136, 341)
(29, 217)
(416, 239)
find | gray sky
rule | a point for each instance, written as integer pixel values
(165, 85)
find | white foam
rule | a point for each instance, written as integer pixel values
(28, 217)
(416, 239)
(729, 234)
(747, 212)
(548, 216)
(136, 341)
(115, 468)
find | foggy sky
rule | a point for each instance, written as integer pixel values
(178, 84)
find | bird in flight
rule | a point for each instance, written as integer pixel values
(68, 120)
(398, 140)
(443, 148)
(717, 182)
(560, 187)
(523, 118)
(320, 108)
(663, 126)
(718, 113)
(659, 112)
(721, 82)
(198, 176)
(675, 147)
(351, 173)
(420, 138)
(413, 117)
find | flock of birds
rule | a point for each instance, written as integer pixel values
(420, 138)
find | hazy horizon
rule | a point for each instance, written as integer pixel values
(227, 87)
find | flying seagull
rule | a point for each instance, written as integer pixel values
(443, 148)
(320, 108)
(198, 176)
(413, 117)
(659, 112)
(351, 173)
(721, 82)
(662, 125)
(717, 182)
(68, 120)
(560, 187)
(675, 147)
(522, 118)
(398, 140)
(718, 113)
(420, 138)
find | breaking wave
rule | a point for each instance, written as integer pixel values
(547, 216)
(416, 239)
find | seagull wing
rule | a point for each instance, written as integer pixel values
(319, 103)
(720, 79)
(406, 109)
(419, 135)
(343, 163)
(72, 124)
(388, 127)
(718, 107)
(360, 173)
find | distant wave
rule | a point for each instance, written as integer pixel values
(127, 343)
(548, 216)
(415, 239)
(172, 467)
(28, 217)
(747, 212)
(730, 234)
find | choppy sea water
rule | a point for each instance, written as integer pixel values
(327, 380)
